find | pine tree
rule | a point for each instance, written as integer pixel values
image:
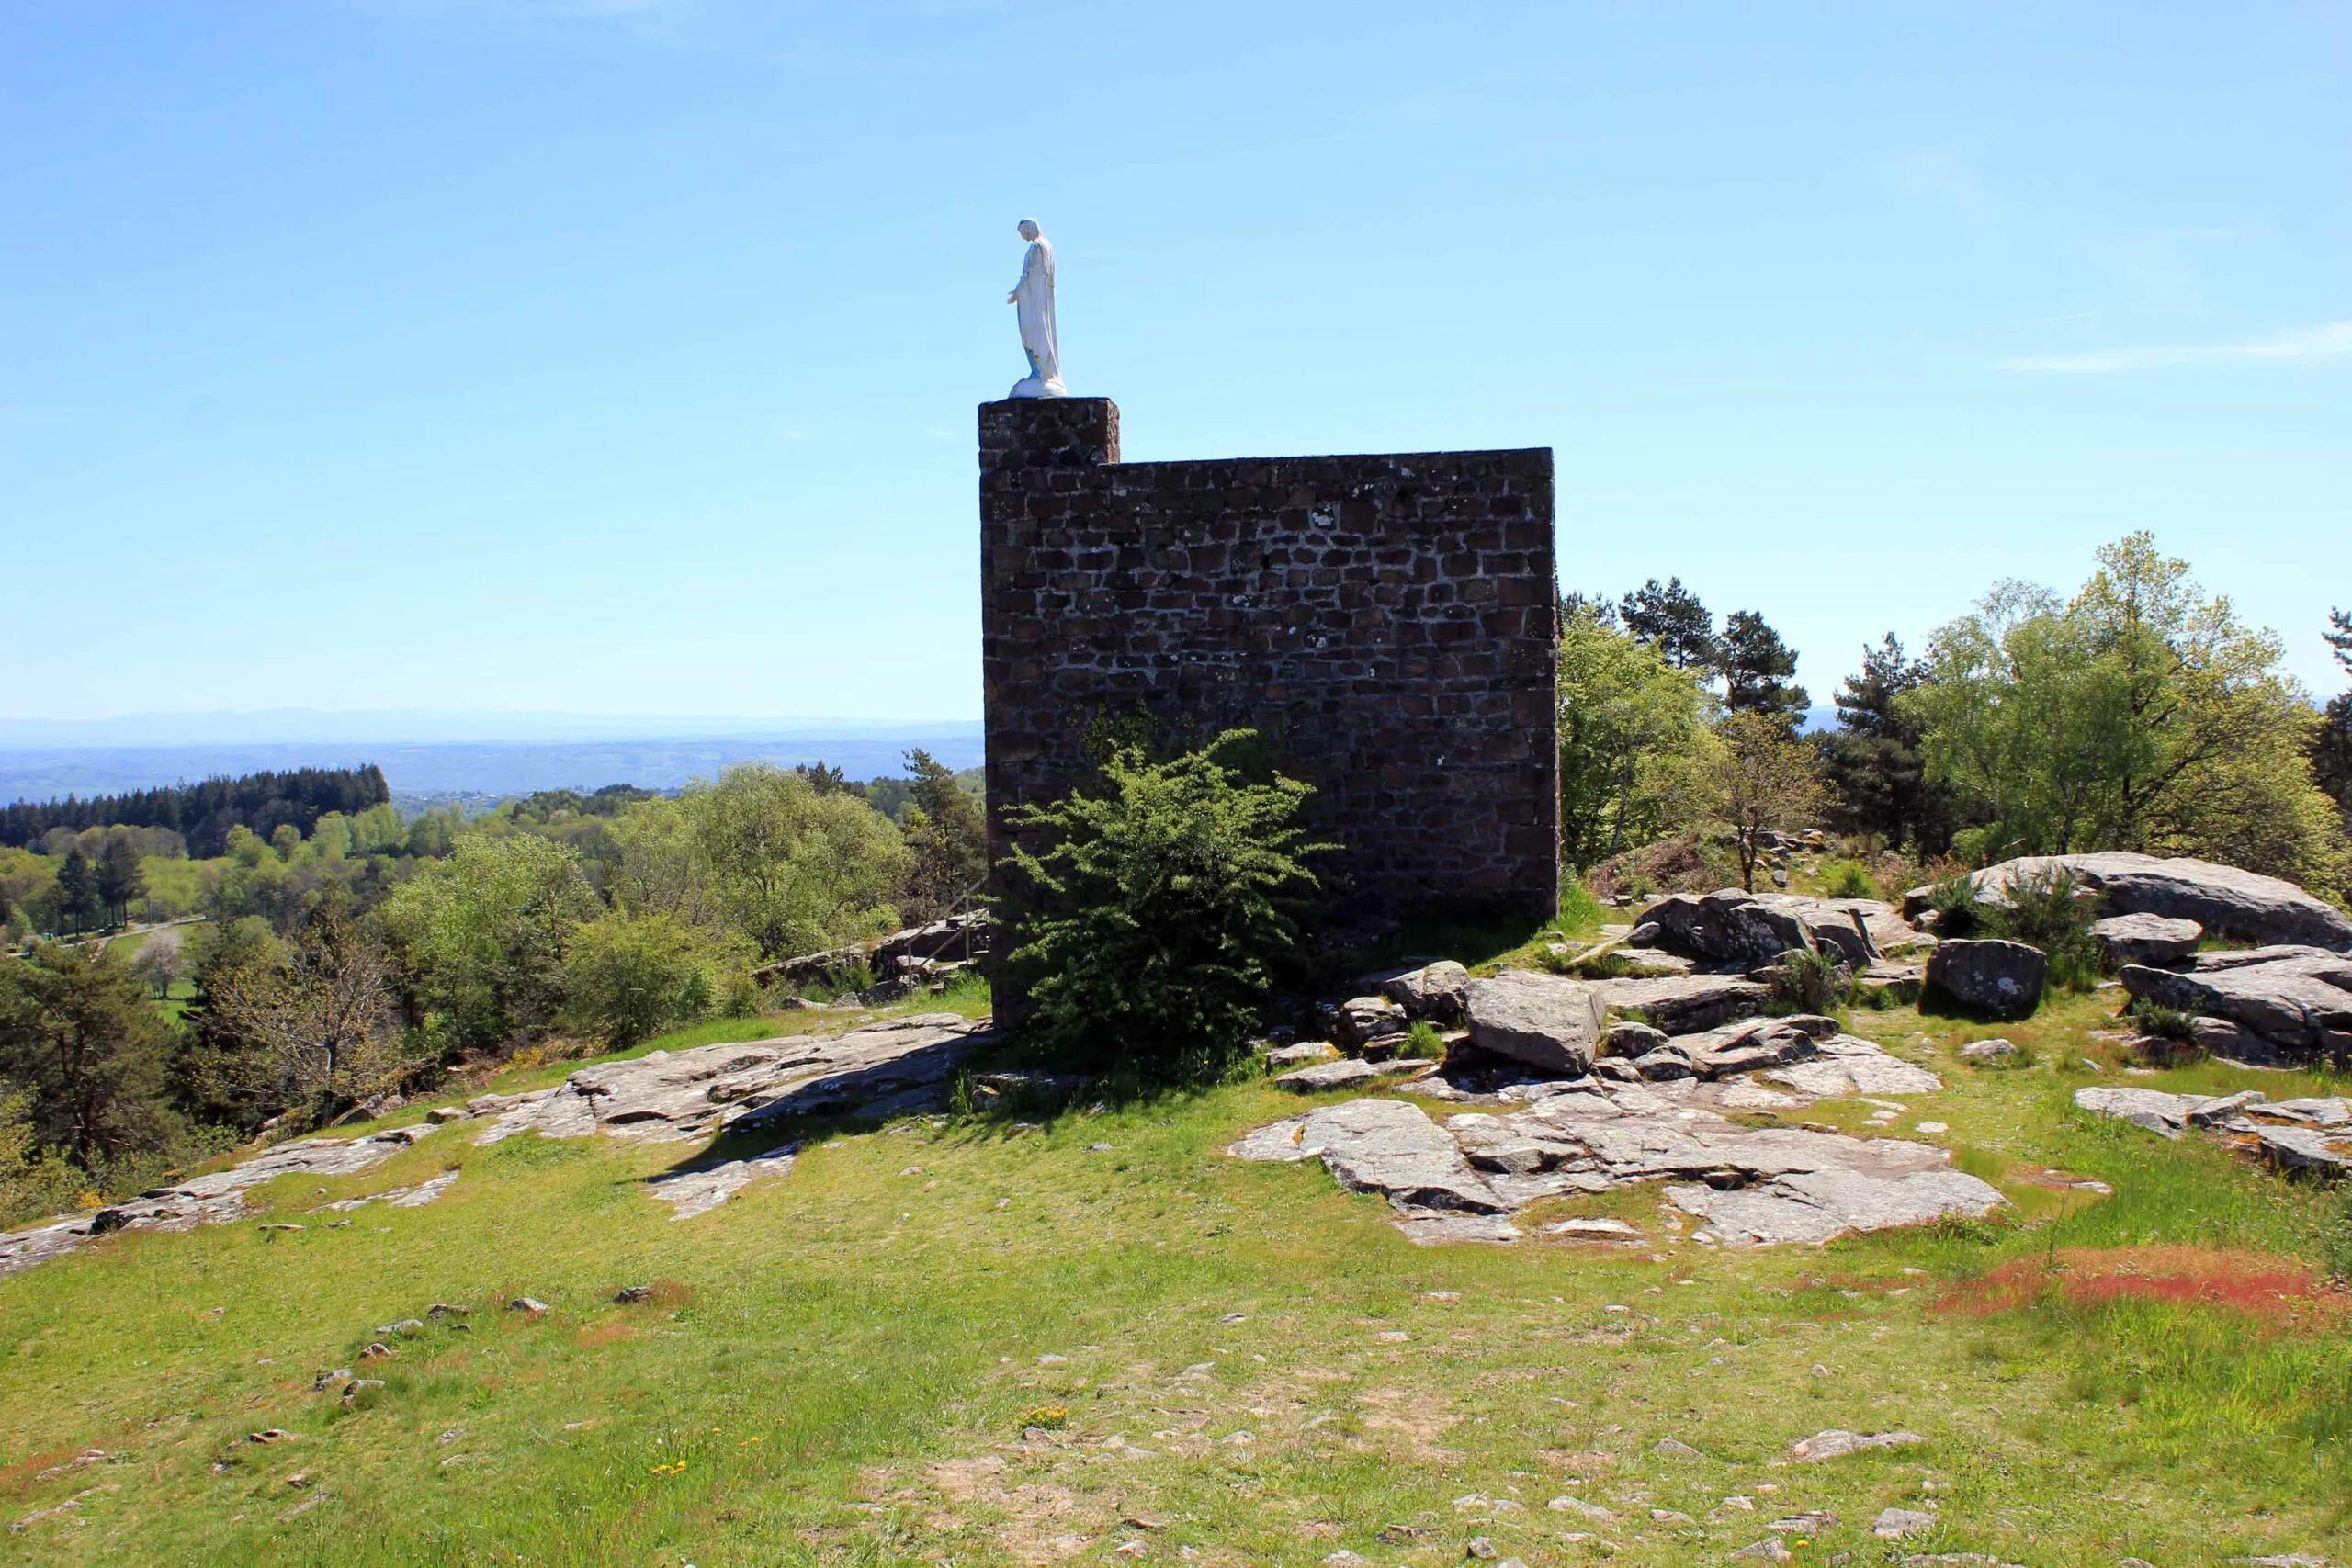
(121, 878)
(1757, 668)
(944, 829)
(77, 894)
(1672, 619)
(1876, 769)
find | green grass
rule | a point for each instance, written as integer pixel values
(842, 1361)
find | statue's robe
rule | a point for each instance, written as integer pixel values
(1033, 299)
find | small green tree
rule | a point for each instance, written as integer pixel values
(121, 878)
(1770, 783)
(482, 935)
(79, 1034)
(1165, 902)
(78, 908)
(1633, 737)
(947, 836)
(628, 978)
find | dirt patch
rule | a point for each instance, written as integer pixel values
(2258, 1285)
(1418, 1417)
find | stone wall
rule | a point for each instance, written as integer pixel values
(1389, 622)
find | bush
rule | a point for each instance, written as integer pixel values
(1423, 1044)
(1808, 981)
(627, 979)
(1958, 911)
(2046, 909)
(1845, 879)
(1162, 908)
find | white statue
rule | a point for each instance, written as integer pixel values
(1034, 297)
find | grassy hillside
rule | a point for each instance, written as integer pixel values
(1225, 1364)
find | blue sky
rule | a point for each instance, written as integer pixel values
(618, 357)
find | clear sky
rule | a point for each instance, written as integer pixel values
(613, 357)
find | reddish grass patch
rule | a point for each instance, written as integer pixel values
(2258, 1285)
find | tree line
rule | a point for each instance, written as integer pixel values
(204, 813)
(341, 968)
(2139, 711)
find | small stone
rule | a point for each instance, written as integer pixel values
(1811, 1523)
(1670, 1449)
(1234, 1317)
(270, 1435)
(1769, 1550)
(1932, 1127)
(1592, 1511)
(359, 1389)
(326, 1380)
(376, 1352)
(531, 1304)
(1346, 1560)
(1893, 1524)
(1833, 1443)
(1481, 1548)
(439, 1310)
(1100, 1149)
(633, 1295)
(1988, 1051)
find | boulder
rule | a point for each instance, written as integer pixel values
(1548, 1022)
(2297, 998)
(1735, 927)
(2000, 977)
(1351, 1073)
(2150, 1108)
(1988, 1051)
(1305, 1054)
(1631, 1039)
(1437, 991)
(2223, 899)
(1689, 1005)
(1728, 926)
(2146, 939)
(1380, 1145)
(1360, 1019)
(1665, 1064)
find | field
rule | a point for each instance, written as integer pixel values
(1216, 1362)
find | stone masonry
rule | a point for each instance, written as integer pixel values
(1388, 623)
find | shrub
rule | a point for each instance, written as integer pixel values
(1958, 911)
(2046, 910)
(1808, 981)
(1162, 908)
(1423, 1044)
(629, 978)
(1845, 879)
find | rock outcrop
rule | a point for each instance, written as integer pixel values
(898, 1067)
(1690, 1004)
(2297, 999)
(2158, 939)
(1551, 1138)
(216, 1197)
(2240, 905)
(1548, 1022)
(894, 1068)
(2003, 978)
(2294, 1134)
(1733, 927)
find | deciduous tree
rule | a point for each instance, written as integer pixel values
(1770, 783)
(1633, 737)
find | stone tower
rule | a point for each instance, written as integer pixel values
(1388, 623)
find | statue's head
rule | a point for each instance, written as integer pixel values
(1029, 229)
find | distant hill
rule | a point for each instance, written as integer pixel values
(497, 768)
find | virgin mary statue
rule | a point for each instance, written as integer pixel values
(1034, 297)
